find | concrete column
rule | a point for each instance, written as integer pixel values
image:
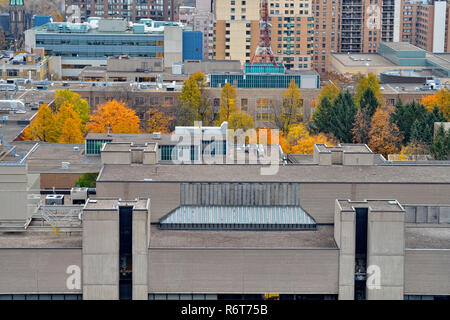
(385, 254)
(344, 234)
(141, 234)
(100, 254)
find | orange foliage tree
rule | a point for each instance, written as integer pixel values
(44, 126)
(441, 99)
(71, 132)
(115, 116)
(157, 121)
(300, 141)
(385, 137)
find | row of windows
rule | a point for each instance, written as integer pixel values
(254, 81)
(93, 147)
(209, 148)
(40, 297)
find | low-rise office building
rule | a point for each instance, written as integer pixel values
(345, 224)
(89, 44)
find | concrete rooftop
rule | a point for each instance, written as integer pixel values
(323, 237)
(409, 173)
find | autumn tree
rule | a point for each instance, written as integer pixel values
(300, 141)
(342, 117)
(190, 98)
(114, 116)
(157, 121)
(227, 102)
(43, 127)
(204, 109)
(240, 120)
(385, 137)
(73, 100)
(369, 82)
(361, 127)
(413, 150)
(65, 112)
(290, 110)
(329, 91)
(440, 148)
(440, 99)
(71, 132)
(363, 118)
(194, 102)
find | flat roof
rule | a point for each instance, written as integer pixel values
(40, 240)
(127, 146)
(376, 60)
(389, 173)
(323, 237)
(48, 157)
(137, 138)
(347, 148)
(427, 237)
(402, 46)
(375, 205)
(110, 204)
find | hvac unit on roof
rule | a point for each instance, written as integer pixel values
(65, 165)
(54, 199)
(157, 135)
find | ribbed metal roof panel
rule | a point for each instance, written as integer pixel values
(238, 217)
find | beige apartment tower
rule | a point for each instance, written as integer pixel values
(236, 30)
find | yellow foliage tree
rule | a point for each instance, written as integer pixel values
(157, 121)
(300, 141)
(44, 126)
(115, 116)
(371, 81)
(74, 101)
(71, 132)
(240, 120)
(291, 108)
(441, 99)
(330, 91)
(65, 112)
(227, 102)
(385, 138)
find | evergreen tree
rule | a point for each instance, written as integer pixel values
(342, 117)
(440, 148)
(322, 117)
(369, 102)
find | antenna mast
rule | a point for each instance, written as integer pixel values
(263, 53)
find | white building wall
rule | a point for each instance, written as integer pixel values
(440, 10)
(397, 19)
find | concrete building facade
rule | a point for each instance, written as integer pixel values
(343, 224)
(425, 24)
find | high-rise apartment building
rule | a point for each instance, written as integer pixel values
(236, 29)
(305, 32)
(425, 24)
(132, 10)
(292, 32)
(327, 15)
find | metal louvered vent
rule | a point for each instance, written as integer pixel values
(238, 218)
